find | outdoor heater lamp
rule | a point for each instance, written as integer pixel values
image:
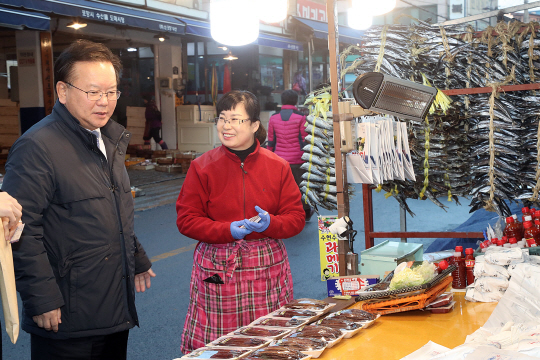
(389, 95)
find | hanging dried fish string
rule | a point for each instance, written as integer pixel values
(381, 50)
(532, 57)
(504, 32)
(487, 38)
(536, 189)
(343, 60)
(468, 38)
(448, 57)
(426, 158)
(489, 205)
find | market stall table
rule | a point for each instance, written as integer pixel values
(394, 336)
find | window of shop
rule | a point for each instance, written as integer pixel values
(271, 68)
(202, 58)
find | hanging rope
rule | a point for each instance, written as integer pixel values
(381, 50)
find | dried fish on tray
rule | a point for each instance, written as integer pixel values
(308, 304)
(312, 347)
(292, 313)
(239, 342)
(259, 331)
(331, 336)
(348, 328)
(358, 316)
(289, 323)
(213, 353)
(277, 353)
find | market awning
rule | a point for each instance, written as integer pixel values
(18, 19)
(202, 28)
(320, 31)
(104, 12)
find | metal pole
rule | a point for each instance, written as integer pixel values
(526, 13)
(333, 45)
(402, 222)
(310, 65)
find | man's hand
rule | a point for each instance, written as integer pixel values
(49, 320)
(142, 280)
(10, 212)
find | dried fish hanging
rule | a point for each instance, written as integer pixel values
(318, 186)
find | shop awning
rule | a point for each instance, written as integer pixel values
(320, 31)
(105, 13)
(18, 19)
(202, 28)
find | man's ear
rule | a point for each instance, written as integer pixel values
(61, 91)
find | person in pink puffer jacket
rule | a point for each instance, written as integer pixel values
(286, 137)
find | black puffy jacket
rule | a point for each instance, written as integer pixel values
(78, 251)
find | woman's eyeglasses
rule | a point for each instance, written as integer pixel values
(233, 122)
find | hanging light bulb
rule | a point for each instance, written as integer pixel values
(225, 26)
(272, 11)
(77, 24)
(230, 57)
(358, 18)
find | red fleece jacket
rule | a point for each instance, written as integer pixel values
(217, 191)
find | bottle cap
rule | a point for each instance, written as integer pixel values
(494, 241)
(509, 220)
(483, 245)
(459, 248)
(537, 213)
(512, 241)
(525, 210)
(469, 251)
(527, 224)
(537, 222)
(505, 238)
(527, 218)
(501, 242)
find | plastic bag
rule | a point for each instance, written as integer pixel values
(413, 277)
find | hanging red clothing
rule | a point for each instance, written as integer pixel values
(226, 79)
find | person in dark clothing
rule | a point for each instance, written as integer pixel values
(78, 263)
(286, 136)
(153, 123)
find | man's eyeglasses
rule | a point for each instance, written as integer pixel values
(234, 122)
(95, 95)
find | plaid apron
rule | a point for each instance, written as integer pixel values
(257, 280)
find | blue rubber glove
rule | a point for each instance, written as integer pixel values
(261, 225)
(237, 232)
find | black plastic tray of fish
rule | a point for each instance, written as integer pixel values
(426, 286)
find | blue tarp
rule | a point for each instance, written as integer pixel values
(104, 12)
(320, 31)
(19, 19)
(478, 221)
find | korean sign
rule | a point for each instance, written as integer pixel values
(328, 248)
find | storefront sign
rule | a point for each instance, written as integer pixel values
(328, 248)
(120, 19)
(311, 10)
(26, 58)
(47, 71)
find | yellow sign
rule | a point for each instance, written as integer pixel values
(328, 248)
(177, 101)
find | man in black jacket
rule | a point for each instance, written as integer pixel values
(78, 262)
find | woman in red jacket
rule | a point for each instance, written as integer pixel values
(240, 269)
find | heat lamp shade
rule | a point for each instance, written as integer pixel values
(359, 19)
(272, 11)
(374, 8)
(234, 22)
(389, 95)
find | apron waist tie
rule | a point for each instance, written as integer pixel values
(232, 262)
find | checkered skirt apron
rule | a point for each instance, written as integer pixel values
(257, 279)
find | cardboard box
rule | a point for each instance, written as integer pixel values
(350, 285)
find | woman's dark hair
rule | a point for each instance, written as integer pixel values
(289, 97)
(251, 104)
(80, 51)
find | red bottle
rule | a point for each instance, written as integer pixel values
(524, 212)
(537, 224)
(536, 215)
(459, 280)
(531, 232)
(512, 229)
(469, 265)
